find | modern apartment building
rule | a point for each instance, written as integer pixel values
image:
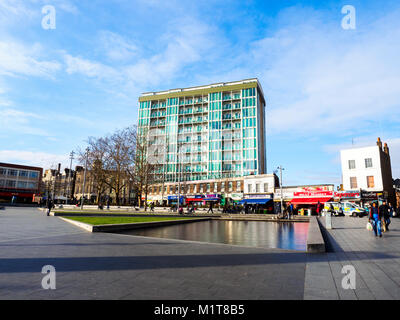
(20, 182)
(207, 132)
(368, 169)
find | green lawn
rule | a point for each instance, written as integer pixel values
(115, 220)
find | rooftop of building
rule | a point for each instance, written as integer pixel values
(19, 166)
(197, 90)
(381, 146)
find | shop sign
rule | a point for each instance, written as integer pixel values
(236, 196)
(258, 196)
(347, 195)
(305, 194)
(207, 196)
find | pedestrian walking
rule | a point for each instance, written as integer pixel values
(210, 208)
(49, 206)
(152, 207)
(391, 210)
(385, 213)
(375, 218)
(319, 209)
(290, 210)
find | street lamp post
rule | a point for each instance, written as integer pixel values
(179, 176)
(84, 178)
(71, 156)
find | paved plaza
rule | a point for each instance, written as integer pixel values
(113, 266)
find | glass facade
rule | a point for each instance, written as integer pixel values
(203, 135)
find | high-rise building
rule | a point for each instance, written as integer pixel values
(207, 132)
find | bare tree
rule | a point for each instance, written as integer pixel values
(142, 168)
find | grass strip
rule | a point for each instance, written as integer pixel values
(118, 220)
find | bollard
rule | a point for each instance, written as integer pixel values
(328, 220)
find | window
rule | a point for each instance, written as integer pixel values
(23, 173)
(257, 187)
(238, 185)
(370, 182)
(265, 187)
(368, 163)
(352, 164)
(21, 184)
(10, 183)
(353, 182)
(249, 188)
(12, 172)
(230, 186)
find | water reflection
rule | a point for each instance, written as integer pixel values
(249, 233)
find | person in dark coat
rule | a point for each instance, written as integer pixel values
(49, 206)
(385, 213)
(319, 209)
(375, 217)
(210, 208)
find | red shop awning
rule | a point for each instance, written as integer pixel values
(194, 199)
(310, 200)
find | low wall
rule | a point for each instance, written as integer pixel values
(315, 241)
(129, 226)
(95, 214)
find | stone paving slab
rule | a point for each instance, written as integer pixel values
(113, 266)
(376, 261)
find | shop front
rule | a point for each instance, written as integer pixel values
(196, 200)
(212, 198)
(258, 203)
(308, 200)
(173, 200)
(235, 197)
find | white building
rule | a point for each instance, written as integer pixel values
(367, 169)
(259, 189)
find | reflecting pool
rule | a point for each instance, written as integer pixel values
(283, 235)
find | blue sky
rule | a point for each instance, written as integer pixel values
(325, 86)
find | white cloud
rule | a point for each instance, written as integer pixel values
(117, 47)
(91, 69)
(34, 158)
(66, 6)
(20, 122)
(185, 42)
(17, 59)
(319, 78)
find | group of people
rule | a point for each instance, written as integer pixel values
(379, 217)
